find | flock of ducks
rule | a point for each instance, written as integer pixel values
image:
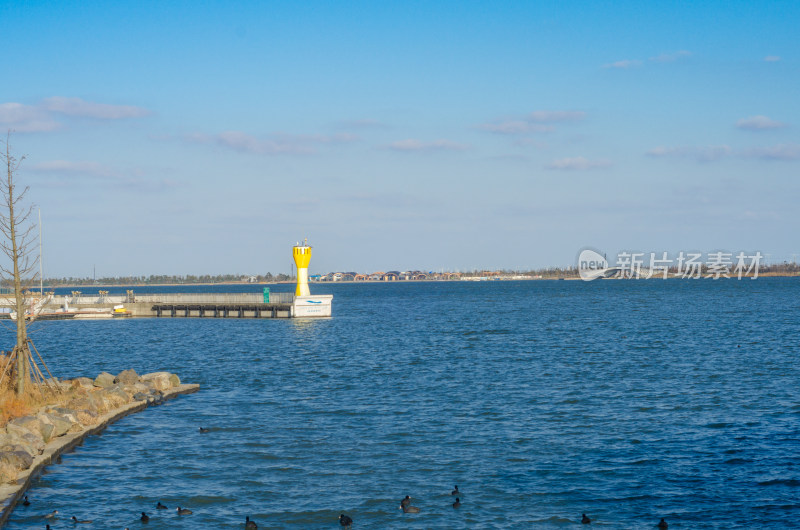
(144, 518)
(344, 520)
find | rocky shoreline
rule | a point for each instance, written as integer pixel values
(29, 443)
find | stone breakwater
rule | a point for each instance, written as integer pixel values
(29, 443)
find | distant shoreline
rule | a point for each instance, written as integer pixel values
(375, 282)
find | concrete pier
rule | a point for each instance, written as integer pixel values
(175, 305)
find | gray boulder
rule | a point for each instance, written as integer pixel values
(127, 377)
(83, 382)
(114, 396)
(88, 403)
(8, 444)
(22, 436)
(104, 380)
(17, 459)
(61, 425)
(48, 431)
(7, 473)
(159, 380)
(175, 380)
(31, 423)
(69, 414)
(118, 389)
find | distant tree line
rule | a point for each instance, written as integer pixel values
(156, 279)
(780, 268)
(786, 268)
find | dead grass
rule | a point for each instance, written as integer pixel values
(13, 406)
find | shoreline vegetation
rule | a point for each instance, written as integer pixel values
(569, 273)
(79, 400)
(44, 422)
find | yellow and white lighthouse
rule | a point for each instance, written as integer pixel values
(304, 304)
(302, 256)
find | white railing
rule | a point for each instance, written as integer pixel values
(162, 298)
(214, 298)
(93, 299)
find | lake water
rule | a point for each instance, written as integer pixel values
(542, 400)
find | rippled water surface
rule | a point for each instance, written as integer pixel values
(628, 401)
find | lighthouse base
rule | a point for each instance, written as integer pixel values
(312, 306)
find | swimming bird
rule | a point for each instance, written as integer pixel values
(160, 506)
(26, 502)
(585, 520)
(455, 491)
(406, 501)
(51, 515)
(204, 430)
(76, 520)
(457, 503)
(409, 509)
(184, 511)
(345, 521)
(250, 525)
(47, 527)
(145, 518)
(662, 524)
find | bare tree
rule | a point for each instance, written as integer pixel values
(18, 244)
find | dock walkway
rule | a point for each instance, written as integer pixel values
(167, 305)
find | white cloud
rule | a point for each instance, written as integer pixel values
(77, 107)
(538, 121)
(701, 154)
(578, 163)
(275, 144)
(42, 117)
(624, 65)
(412, 145)
(662, 58)
(772, 58)
(82, 168)
(245, 143)
(551, 116)
(515, 127)
(784, 152)
(25, 118)
(759, 123)
(671, 57)
(73, 176)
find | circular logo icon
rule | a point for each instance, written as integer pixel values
(591, 265)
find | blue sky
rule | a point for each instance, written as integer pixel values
(208, 137)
